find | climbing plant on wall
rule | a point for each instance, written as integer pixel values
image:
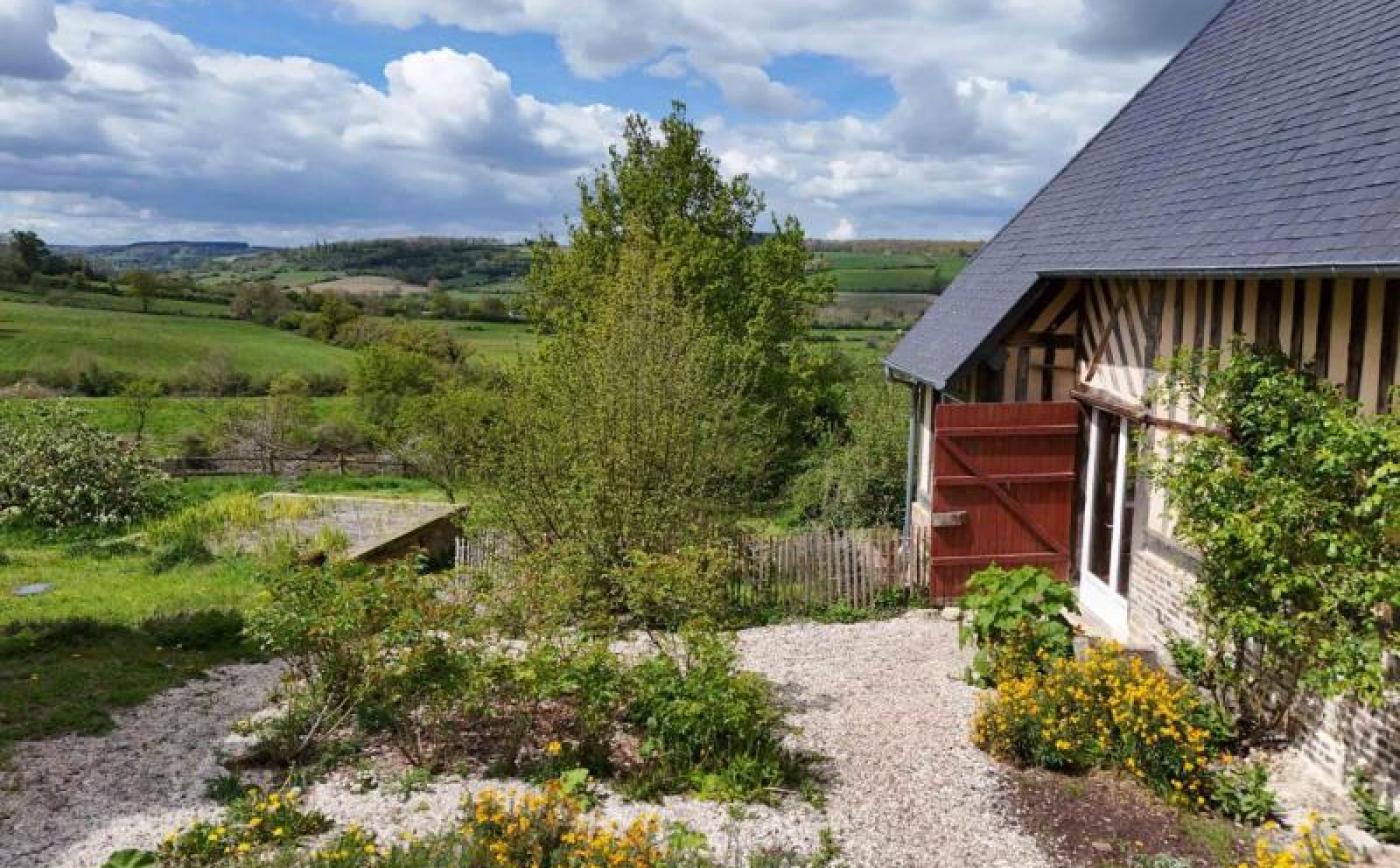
(1294, 507)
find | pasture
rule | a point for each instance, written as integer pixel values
(172, 418)
(890, 272)
(38, 338)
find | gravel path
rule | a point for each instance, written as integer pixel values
(881, 700)
(71, 801)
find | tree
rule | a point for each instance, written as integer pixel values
(29, 250)
(138, 398)
(142, 285)
(442, 435)
(260, 302)
(856, 477)
(385, 375)
(1295, 510)
(632, 431)
(280, 424)
(753, 294)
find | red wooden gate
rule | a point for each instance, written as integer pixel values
(1003, 482)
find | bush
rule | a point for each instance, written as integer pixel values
(705, 726)
(855, 478)
(1017, 620)
(1108, 710)
(58, 470)
(673, 590)
(1315, 844)
(1241, 792)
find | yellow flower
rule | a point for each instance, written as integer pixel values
(279, 832)
(554, 748)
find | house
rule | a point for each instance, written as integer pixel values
(1251, 188)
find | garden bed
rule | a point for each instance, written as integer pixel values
(881, 700)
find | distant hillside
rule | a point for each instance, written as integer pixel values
(453, 263)
(158, 255)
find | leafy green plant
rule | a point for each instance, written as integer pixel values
(254, 823)
(1016, 619)
(1377, 817)
(1191, 660)
(1241, 791)
(705, 726)
(1294, 511)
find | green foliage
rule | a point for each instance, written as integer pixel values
(1241, 792)
(261, 302)
(671, 591)
(1377, 817)
(855, 478)
(631, 432)
(139, 397)
(1017, 620)
(57, 470)
(443, 435)
(707, 727)
(255, 822)
(1294, 513)
(754, 298)
(195, 534)
(1191, 660)
(1105, 710)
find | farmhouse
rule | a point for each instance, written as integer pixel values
(1252, 188)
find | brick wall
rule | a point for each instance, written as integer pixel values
(1336, 737)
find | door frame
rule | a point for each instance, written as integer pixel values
(1105, 598)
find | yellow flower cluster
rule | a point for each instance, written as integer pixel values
(548, 828)
(1108, 709)
(252, 822)
(1314, 845)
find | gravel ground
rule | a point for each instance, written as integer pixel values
(881, 700)
(71, 801)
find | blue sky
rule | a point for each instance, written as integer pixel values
(281, 122)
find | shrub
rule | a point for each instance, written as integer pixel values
(706, 726)
(58, 470)
(1241, 792)
(672, 590)
(1107, 710)
(195, 534)
(855, 477)
(1314, 845)
(1017, 620)
(196, 631)
(1376, 817)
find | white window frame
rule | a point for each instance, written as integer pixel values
(1105, 597)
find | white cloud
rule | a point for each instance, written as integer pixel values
(117, 127)
(844, 230)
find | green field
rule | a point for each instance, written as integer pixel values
(171, 418)
(496, 342)
(891, 272)
(123, 303)
(35, 338)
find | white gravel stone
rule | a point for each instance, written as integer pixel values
(881, 700)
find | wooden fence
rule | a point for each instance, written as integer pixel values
(799, 571)
(285, 464)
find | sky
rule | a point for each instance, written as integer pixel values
(290, 121)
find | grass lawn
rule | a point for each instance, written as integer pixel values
(172, 418)
(112, 632)
(37, 337)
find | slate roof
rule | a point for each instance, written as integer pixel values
(1271, 141)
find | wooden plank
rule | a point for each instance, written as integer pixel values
(1019, 478)
(1267, 312)
(1341, 328)
(1322, 343)
(1312, 298)
(1014, 558)
(1012, 505)
(1297, 326)
(1371, 345)
(1051, 430)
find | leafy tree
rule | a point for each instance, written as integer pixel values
(1296, 514)
(856, 478)
(260, 302)
(442, 435)
(333, 313)
(752, 294)
(29, 251)
(632, 431)
(385, 376)
(142, 285)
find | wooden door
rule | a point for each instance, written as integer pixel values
(1003, 489)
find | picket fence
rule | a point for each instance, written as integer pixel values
(806, 570)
